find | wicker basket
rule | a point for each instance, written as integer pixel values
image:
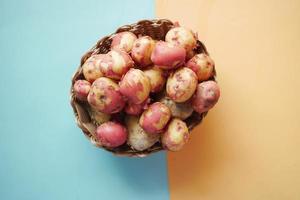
(156, 29)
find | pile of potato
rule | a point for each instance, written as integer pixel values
(155, 84)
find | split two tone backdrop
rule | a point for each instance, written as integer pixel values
(246, 148)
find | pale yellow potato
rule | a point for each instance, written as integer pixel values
(105, 96)
(178, 110)
(98, 117)
(156, 77)
(139, 139)
(182, 84)
(176, 135)
(202, 65)
(183, 37)
(91, 68)
(123, 41)
(142, 50)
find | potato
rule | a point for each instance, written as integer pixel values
(155, 118)
(123, 41)
(105, 96)
(139, 139)
(176, 135)
(135, 86)
(115, 64)
(136, 109)
(156, 77)
(182, 84)
(111, 134)
(142, 50)
(81, 89)
(182, 37)
(98, 117)
(167, 55)
(91, 68)
(178, 110)
(202, 65)
(206, 96)
(133, 109)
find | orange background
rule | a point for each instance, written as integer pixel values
(248, 146)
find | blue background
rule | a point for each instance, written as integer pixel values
(43, 155)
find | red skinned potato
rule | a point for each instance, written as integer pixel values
(115, 64)
(178, 110)
(167, 55)
(111, 134)
(206, 96)
(135, 86)
(105, 96)
(91, 68)
(155, 118)
(123, 41)
(202, 65)
(156, 77)
(136, 109)
(139, 139)
(82, 89)
(176, 135)
(142, 50)
(182, 84)
(182, 37)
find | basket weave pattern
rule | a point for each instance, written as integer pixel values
(156, 29)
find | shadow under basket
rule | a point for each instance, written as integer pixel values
(157, 29)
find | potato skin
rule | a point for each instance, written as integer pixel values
(105, 96)
(176, 135)
(182, 37)
(115, 64)
(123, 41)
(139, 139)
(133, 109)
(202, 65)
(156, 77)
(206, 96)
(135, 86)
(111, 134)
(91, 68)
(82, 89)
(142, 50)
(155, 118)
(136, 109)
(182, 84)
(178, 110)
(98, 117)
(167, 55)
